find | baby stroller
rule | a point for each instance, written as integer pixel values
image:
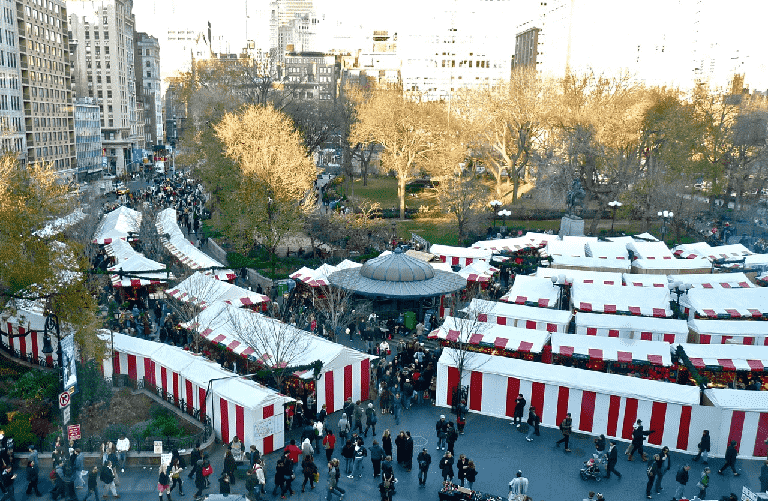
(591, 468)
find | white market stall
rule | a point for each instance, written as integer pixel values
(714, 280)
(671, 266)
(733, 357)
(743, 417)
(590, 264)
(532, 291)
(515, 315)
(582, 276)
(632, 327)
(599, 403)
(507, 244)
(117, 225)
(612, 349)
(643, 280)
(751, 303)
(459, 256)
(567, 248)
(202, 290)
(650, 250)
(704, 250)
(607, 250)
(317, 277)
(729, 332)
(26, 324)
(640, 301)
(487, 335)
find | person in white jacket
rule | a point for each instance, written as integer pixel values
(306, 448)
(519, 485)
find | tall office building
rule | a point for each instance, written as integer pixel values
(281, 14)
(88, 138)
(12, 136)
(148, 87)
(103, 53)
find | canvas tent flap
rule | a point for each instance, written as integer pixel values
(634, 323)
(483, 308)
(650, 250)
(491, 335)
(607, 250)
(591, 263)
(727, 303)
(580, 276)
(728, 327)
(714, 280)
(533, 291)
(641, 301)
(738, 400)
(612, 349)
(465, 252)
(727, 356)
(645, 280)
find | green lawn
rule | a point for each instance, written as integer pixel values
(383, 190)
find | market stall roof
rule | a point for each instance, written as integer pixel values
(424, 256)
(740, 400)
(443, 251)
(756, 260)
(645, 280)
(587, 380)
(346, 264)
(714, 280)
(203, 290)
(567, 248)
(671, 266)
(129, 344)
(728, 327)
(491, 335)
(481, 307)
(727, 303)
(117, 224)
(704, 250)
(120, 250)
(641, 301)
(650, 250)
(591, 264)
(634, 323)
(533, 291)
(612, 349)
(141, 266)
(443, 267)
(397, 275)
(478, 271)
(727, 356)
(606, 250)
(582, 277)
(507, 244)
(28, 314)
(624, 240)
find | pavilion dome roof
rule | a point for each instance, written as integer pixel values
(397, 267)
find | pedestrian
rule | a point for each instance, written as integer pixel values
(424, 460)
(306, 448)
(408, 452)
(400, 446)
(704, 446)
(407, 394)
(163, 483)
(200, 481)
(764, 477)
(519, 409)
(322, 414)
(387, 471)
(665, 465)
(471, 472)
(32, 475)
(461, 467)
(329, 443)
(358, 415)
(613, 458)
(123, 446)
(461, 416)
(377, 455)
(600, 444)
(703, 483)
(93, 484)
(78, 466)
(565, 429)
(370, 419)
(176, 470)
(651, 472)
(57, 478)
(225, 486)
(386, 442)
(519, 485)
(230, 465)
(7, 478)
(396, 406)
(451, 437)
(533, 423)
(348, 453)
(293, 452)
(279, 476)
(309, 470)
(360, 454)
(258, 480)
(194, 457)
(441, 427)
(682, 479)
(343, 427)
(107, 476)
(730, 459)
(333, 480)
(318, 428)
(638, 437)
(446, 466)
(387, 490)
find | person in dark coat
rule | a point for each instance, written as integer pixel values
(653, 470)
(408, 451)
(33, 475)
(704, 446)
(565, 429)
(194, 457)
(446, 466)
(425, 460)
(279, 476)
(400, 446)
(377, 456)
(230, 465)
(386, 443)
(682, 479)
(519, 409)
(451, 437)
(7, 478)
(200, 482)
(638, 437)
(613, 458)
(730, 459)
(224, 484)
(461, 468)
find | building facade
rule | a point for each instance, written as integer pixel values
(43, 57)
(12, 119)
(527, 48)
(148, 85)
(103, 68)
(311, 75)
(88, 146)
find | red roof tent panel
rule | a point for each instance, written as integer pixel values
(566, 351)
(525, 346)
(475, 338)
(521, 299)
(595, 353)
(656, 359)
(501, 342)
(585, 306)
(219, 338)
(659, 312)
(755, 365)
(710, 313)
(755, 313)
(452, 335)
(733, 313)
(697, 362)
(248, 351)
(609, 308)
(634, 310)
(624, 356)
(543, 303)
(726, 363)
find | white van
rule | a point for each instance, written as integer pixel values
(160, 167)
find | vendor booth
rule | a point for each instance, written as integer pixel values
(647, 359)
(728, 365)
(599, 403)
(507, 244)
(671, 266)
(640, 301)
(743, 417)
(728, 332)
(581, 276)
(724, 303)
(642, 280)
(590, 264)
(479, 271)
(492, 338)
(237, 406)
(607, 250)
(714, 280)
(26, 324)
(632, 327)
(704, 250)
(515, 315)
(652, 251)
(117, 225)
(202, 290)
(460, 256)
(533, 291)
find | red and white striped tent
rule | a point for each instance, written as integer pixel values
(314, 278)
(640, 301)
(29, 319)
(460, 256)
(236, 406)
(582, 276)
(507, 244)
(734, 357)
(569, 247)
(491, 335)
(182, 249)
(729, 332)
(203, 290)
(671, 266)
(668, 330)
(723, 303)
(346, 372)
(117, 224)
(643, 280)
(714, 280)
(607, 250)
(743, 417)
(515, 315)
(599, 403)
(650, 250)
(532, 291)
(142, 266)
(704, 250)
(478, 271)
(756, 261)
(590, 264)
(612, 349)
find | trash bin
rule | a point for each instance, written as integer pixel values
(410, 320)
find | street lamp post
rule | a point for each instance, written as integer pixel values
(614, 205)
(52, 326)
(679, 288)
(666, 216)
(561, 282)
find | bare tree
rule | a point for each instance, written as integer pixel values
(339, 307)
(190, 298)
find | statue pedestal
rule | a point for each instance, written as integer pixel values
(572, 227)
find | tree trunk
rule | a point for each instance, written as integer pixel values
(515, 185)
(401, 195)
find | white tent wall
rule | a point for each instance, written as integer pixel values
(343, 377)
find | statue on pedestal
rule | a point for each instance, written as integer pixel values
(575, 198)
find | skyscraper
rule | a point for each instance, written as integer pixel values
(148, 86)
(12, 120)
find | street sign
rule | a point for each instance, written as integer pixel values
(67, 414)
(63, 400)
(158, 446)
(73, 432)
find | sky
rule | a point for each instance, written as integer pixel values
(732, 31)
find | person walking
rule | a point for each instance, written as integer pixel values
(519, 485)
(93, 484)
(386, 443)
(306, 448)
(704, 446)
(651, 472)
(370, 419)
(471, 472)
(397, 406)
(441, 427)
(638, 437)
(360, 454)
(533, 424)
(730, 459)
(194, 457)
(446, 466)
(309, 470)
(565, 429)
(163, 483)
(400, 446)
(681, 477)
(408, 452)
(279, 475)
(123, 446)
(613, 458)
(225, 484)
(665, 464)
(703, 483)
(424, 460)
(348, 453)
(230, 465)
(461, 468)
(32, 476)
(461, 416)
(377, 455)
(78, 466)
(519, 409)
(107, 476)
(451, 437)
(358, 415)
(343, 427)
(176, 470)
(329, 442)
(7, 479)
(200, 482)
(333, 481)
